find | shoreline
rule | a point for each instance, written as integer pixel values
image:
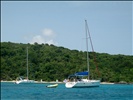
(54, 82)
(106, 83)
(35, 82)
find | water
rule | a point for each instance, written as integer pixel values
(11, 91)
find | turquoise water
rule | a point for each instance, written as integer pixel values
(11, 91)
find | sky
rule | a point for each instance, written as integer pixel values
(62, 23)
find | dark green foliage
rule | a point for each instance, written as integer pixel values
(48, 62)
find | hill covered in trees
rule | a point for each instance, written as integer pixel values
(49, 62)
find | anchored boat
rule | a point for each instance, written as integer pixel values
(77, 80)
(24, 79)
(52, 86)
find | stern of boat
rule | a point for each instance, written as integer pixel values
(70, 84)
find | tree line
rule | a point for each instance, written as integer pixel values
(49, 62)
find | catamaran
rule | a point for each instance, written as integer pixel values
(77, 80)
(23, 79)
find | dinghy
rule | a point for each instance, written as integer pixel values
(52, 86)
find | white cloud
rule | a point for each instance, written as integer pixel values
(47, 36)
(48, 32)
(38, 38)
(52, 42)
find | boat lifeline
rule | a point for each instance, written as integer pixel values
(22, 79)
(77, 80)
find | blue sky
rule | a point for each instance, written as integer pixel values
(62, 23)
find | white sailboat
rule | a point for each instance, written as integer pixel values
(20, 80)
(77, 80)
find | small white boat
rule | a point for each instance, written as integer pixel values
(52, 86)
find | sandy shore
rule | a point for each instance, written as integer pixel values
(48, 82)
(8, 81)
(53, 82)
(36, 82)
(106, 83)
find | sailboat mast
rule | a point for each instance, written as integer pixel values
(87, 47)
(27, 63)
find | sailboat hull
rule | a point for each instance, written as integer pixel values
(21, 80)
(24, 81)
(83, 84)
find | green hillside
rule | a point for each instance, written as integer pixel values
(49, 62)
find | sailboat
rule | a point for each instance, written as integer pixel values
(22, 79)
(77, 80)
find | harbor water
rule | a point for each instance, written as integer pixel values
(39, 91)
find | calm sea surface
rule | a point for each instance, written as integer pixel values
(11, 91)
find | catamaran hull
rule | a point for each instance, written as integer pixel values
(83, 84)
